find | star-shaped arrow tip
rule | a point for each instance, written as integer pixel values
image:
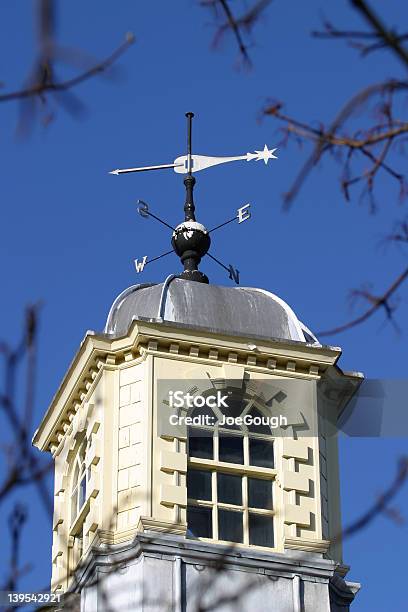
(114, 172)
(266, 154)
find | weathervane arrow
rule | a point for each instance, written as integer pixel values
(200, 162)
(191, 240)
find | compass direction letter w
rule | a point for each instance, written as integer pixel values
(139, 265)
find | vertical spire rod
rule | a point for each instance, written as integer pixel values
(189, 126)
(189, 181)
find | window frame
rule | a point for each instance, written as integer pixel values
(80, 477)
(245, 470)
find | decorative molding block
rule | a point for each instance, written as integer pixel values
(58, 511)
(173, 462)
(291, 366)
(152, 345)
(57, 547)
(213, 354)
(94, 453)
(171, 495)
(148, 524)
(61, 483)
(232, 357)
(92, 520)
(95, 427)
(297, 514)
(174, 349)
(233, 374)
(298, 449)
(306, 544)
(194, 350)
(271, 364)
(70, 415)
(94, 484)
(295, 481)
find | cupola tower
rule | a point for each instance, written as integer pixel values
(195, 447)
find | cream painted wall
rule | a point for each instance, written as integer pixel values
(138, 478)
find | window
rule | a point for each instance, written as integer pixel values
(80, 480)
(230, 480)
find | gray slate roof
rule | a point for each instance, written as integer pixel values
(239, 310)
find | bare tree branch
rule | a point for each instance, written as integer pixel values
(49, 85)
(355, 36)
(331, 139)
(391, 41)
(237, 25)
(382, 301)
(383, 502)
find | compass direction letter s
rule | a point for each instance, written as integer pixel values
(139, 265)
(143, 209)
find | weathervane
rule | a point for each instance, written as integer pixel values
(190, 239)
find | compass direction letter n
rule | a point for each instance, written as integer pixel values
(233, 274)
(139, 265)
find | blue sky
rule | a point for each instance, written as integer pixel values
(71, 232)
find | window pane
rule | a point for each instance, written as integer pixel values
(200, 445)
(199, 522)
(257, 425)
(259, 493)
(261, 453)
(199, 484)
(204, 411)
(230, 526)
(231, 449)
(235, 405)
(260, 530)
(229, 489)
(82, 492)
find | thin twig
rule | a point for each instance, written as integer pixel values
(237, 25)
(40, 88)
(381, 505)
(390, 39)
(377, 303)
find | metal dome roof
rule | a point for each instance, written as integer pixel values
(238, 310)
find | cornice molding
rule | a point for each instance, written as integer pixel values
(104, 353)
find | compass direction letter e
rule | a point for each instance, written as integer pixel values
(243, 213)
(139, 265)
